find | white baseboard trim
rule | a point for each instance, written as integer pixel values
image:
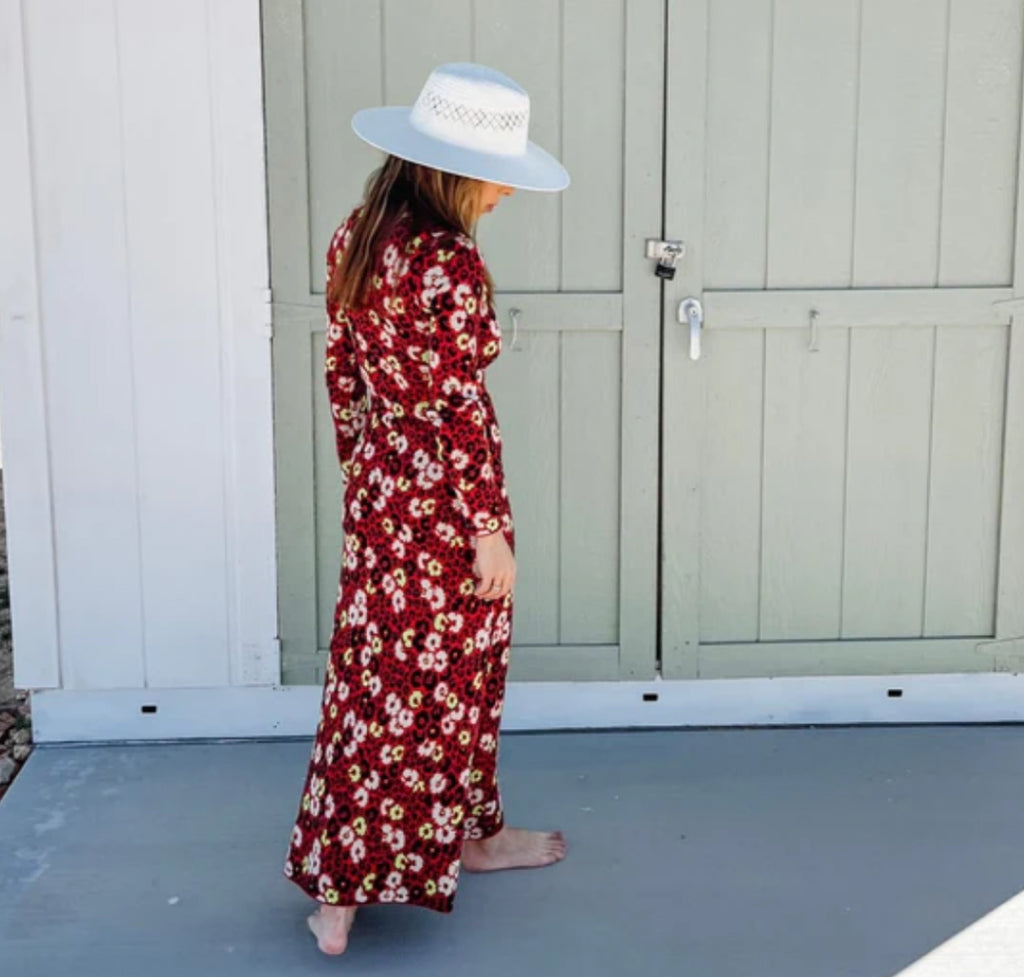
(61, 716)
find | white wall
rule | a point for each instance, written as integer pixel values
(135, 383)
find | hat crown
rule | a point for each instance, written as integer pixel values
(475, 107)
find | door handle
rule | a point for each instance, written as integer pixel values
(692, 312)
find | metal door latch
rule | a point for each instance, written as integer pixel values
(667, 253)
(692, 312)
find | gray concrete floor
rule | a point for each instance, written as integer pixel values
(788, 852)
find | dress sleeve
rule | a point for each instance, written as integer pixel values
(345, 388)
(454, 296)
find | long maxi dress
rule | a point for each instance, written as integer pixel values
(404, 760)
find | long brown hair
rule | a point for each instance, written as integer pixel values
(396, 190)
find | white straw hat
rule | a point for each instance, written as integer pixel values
(471, 120)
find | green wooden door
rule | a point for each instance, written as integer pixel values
(843, 464)
(576, 386)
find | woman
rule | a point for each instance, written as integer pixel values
(402, 786)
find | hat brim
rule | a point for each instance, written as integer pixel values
(388, 128)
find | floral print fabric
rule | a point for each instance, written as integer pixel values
(404, 760)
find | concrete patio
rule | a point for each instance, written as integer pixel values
(825, 852)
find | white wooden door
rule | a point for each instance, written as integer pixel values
(843, 473)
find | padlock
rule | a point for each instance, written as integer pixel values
(668, 272)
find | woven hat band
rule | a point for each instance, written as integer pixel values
(473, 114)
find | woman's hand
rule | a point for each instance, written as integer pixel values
(494, 565)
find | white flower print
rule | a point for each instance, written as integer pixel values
(435, 282)
(314, 858)
(346, 835)
(433, 660)
(438, 782)
(358, 851)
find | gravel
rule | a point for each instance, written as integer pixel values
(15, 715)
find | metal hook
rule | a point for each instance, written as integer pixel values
(812, 343)
(515, 314)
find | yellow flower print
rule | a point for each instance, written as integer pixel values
(464, 737)
(428, 505)
(476, 776)
(467, 586)
(438, 754)
(407, 637)
(369, 880)
(330, 362)
(399, 574)
(401, 860)
(463, 339)
(367, 677)
(430, 887)
(334, 710)
(354, 773)
(377, 645)
(457, 814)
(440, 621)
(403, 483)
(397, 752)
(376, 730)
(426, 831)
(443, 255)
(332, 896)
(491, 348)
(359, 826)
(396, 813)
(416, 699)
(324, 840)
(349, 656)
(452, 701)
(398, 410)
(389, 525)
(305, 802)
(470, 304)
(434, 568)
(378, 282)
(468, 645)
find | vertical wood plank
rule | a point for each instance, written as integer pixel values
(641, 303)
(295, 353)
(73, 86)
(963, 507)
(1010, 587)
(730, 541)
(887, 482)
(739, 86)
(176, 340)
(899, 146)
(813, 139)
(523, 237)
(287, 167)
(338, 161)
(593, 74)
(590, 465)
(683, 403)
(241, 194)
(982, 130)
(530, 427)
(804, 474)
(27, 478)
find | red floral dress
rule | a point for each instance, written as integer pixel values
(404, 761)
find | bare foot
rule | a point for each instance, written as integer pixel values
(330, 926)
(513, 848)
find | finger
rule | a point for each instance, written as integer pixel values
(486, 582)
